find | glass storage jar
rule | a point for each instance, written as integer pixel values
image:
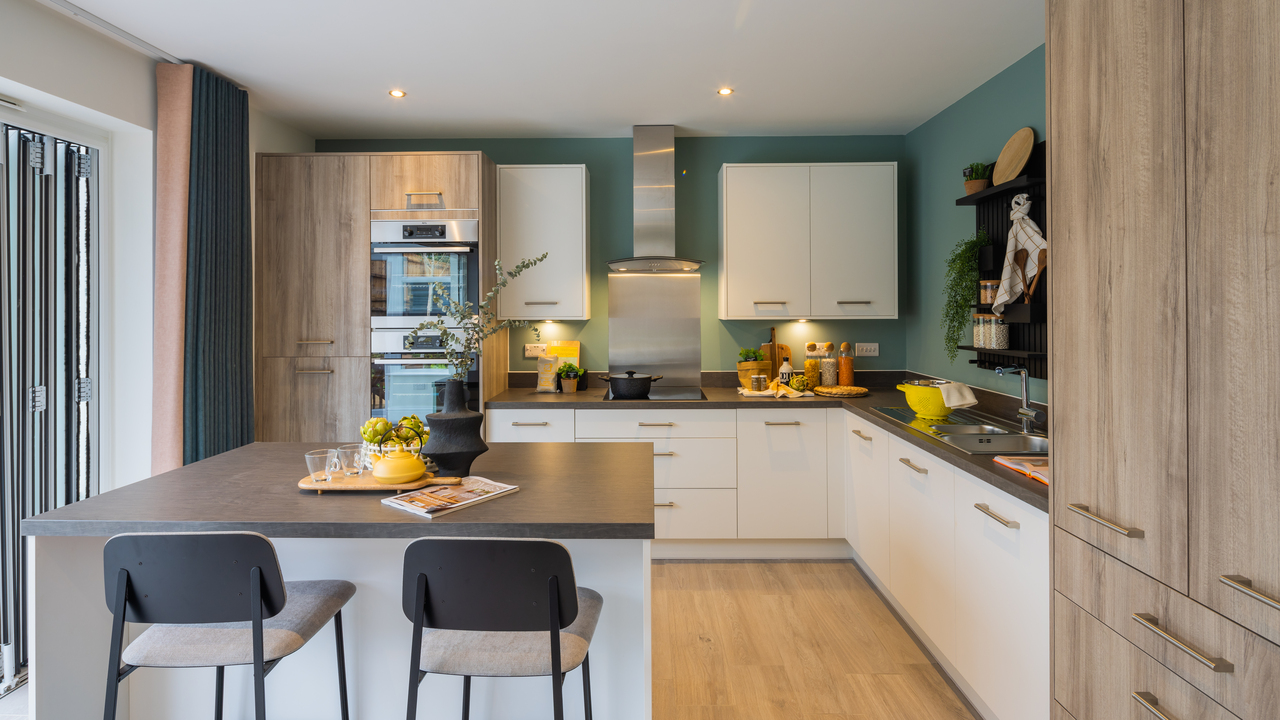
(987, 290)
(997, 333)
(979, 330)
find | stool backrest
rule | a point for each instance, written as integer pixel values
(495, 585)
(192, 577)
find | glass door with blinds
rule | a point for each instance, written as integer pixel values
(48, 370)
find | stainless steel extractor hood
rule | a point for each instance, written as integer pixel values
(655, 307)
(654, 208)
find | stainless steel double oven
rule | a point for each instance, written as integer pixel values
(414, 262)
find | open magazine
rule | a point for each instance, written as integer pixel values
(436, 500)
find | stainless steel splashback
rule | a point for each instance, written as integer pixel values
(655, 326)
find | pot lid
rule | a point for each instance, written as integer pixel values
(630, 375)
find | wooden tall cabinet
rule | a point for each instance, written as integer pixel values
(1164, 182)
(312, 375)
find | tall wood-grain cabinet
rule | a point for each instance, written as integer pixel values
(1164, 144)
(809, 241)
(311, 317)
(545, 209)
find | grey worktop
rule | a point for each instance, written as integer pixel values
(1020, 486)
(567, 491)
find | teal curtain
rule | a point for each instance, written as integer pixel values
(218, 377)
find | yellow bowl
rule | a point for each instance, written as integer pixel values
(926, 400)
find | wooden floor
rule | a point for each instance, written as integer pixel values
(793, 640)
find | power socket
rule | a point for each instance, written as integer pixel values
(533, 350)
(865, 350)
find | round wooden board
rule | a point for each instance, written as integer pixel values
(364, 481)
(841, 391)
(1014, 156)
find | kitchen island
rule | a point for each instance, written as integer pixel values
(595, 498)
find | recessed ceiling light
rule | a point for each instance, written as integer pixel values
(725, 91)
(400, 93)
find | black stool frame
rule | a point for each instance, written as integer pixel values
(491, 592)
(194, 576)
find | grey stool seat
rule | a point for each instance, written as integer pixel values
(511, 654)
(309, 606)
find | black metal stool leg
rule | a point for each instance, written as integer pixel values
(586, 684)
(117, 638)
(466, 697)
(217, 694)
(342, 665)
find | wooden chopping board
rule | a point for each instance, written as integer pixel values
(1014, 156)
(364, 481)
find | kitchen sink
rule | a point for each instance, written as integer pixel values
(970, 430)
(998, 444)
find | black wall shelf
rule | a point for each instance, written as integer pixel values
(1028, 322)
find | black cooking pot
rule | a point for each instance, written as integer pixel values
(630, 386)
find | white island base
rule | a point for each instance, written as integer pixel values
(71, 629)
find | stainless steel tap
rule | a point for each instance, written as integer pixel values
(1029, 416)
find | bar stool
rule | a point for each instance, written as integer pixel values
(215, 599)
(496, 608)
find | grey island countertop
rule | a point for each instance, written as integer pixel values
(1020, 486)
(567, 491)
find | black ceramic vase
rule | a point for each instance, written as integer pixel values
(455, 433)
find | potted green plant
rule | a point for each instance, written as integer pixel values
(751, 362)
(959, 289)
(455, 440)
(570, 375)
(976, 177)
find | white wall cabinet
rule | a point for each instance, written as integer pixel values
(545, 208)
(782, 478)
(808, 241)
(922, 551)
(1002, 600)
(866, 473)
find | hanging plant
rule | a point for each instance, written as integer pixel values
(960, 288)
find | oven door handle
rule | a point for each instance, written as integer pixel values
(429, 249)
(416, 361)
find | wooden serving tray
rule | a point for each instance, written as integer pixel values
(364, 481)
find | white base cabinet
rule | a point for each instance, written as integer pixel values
(782, 485)
(529, 425)
(695, 514)
(1002, 606)
(922, 553)
(866, 471)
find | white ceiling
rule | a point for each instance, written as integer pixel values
(593, 68)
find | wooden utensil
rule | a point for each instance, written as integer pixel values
(1042, 262)
(1014, 156)
(365, 482)
(1020, 264)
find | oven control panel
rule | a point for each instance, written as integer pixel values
(423, 232)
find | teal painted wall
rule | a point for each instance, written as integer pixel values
(973, 129)
(698, 162)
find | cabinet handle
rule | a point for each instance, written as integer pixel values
(664, 504)
(1079, 509)
(657, 424)
(853, 302)
(541, 302)
(985, 509)
(768, 302)
(793, 422)
(312, 372)
(315, 342)
(913, 466)
(864, 437)
(665, 454)
(408, 197)
(1152, 623)
(520, 424)
(1245, 585)
(1149, 701)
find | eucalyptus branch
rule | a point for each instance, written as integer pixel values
(472, 325)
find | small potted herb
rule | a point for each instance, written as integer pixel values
(751, 362)
(570, 375)
(977, 177)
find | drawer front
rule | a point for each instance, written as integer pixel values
(646, 424)
(691, 462)
(530, 425)
(695, 514)
(1097, 673)
(1114, 592)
